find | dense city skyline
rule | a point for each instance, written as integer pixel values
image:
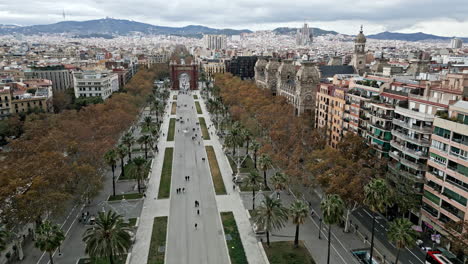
(342, 16)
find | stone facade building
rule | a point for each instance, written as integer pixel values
(359, 57)
(298, 83)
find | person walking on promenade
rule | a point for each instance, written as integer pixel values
(198, 211)
(196, 225)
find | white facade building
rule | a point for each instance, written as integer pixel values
(215, 42)
(93, 83)
(456, 43)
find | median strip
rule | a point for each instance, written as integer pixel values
(171, 130)
(233, 240)
(215, 172)
(197, 105)
(157, 249)
(166, 173)
(205, 133)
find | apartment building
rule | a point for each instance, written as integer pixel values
(446, 188)
(25, 96)
(330, 110)
(215, 42)
(95, 83)
(61, 76)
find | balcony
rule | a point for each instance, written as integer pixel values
(407, 151)
(423, 143)
(414, 114)
(414, 165)
(387, 127)
(423, 130)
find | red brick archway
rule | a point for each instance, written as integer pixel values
(178, 69)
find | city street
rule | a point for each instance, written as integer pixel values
(187, 244)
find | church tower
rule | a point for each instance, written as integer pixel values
(359, 55)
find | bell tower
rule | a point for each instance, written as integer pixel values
(359, 55)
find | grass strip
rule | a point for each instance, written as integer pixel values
(158, 239)
(215, 172)
(174, 108)
(205, 134)
(165, 184)
(236, 249)
(127, 196)
(171, 131)
(195, 96)
(197, 105)
(284, 252)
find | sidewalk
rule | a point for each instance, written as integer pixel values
(232, 201)
(152, 207)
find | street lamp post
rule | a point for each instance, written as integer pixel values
(320, 227)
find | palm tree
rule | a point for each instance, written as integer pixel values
(247, 136)
(332, 209)
(253, 180)
(145, 140)
(48, 238)
(271, 215)
(148, 121)
(298, 211)
(279, 181)
(376, 197)
(3, 237)
(255, 147)
(122, 152)
(111, 159)
(265, 163)
(401, 232)
(235, 138)
(109, 237)
(138, 169)
(128, 140)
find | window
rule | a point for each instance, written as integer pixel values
(439, 159)
(454, 196)
(457, 182)
(432, 197)
(442, 132)
(462, 139)
(458, 167)
(460, 153)
(431, 210)
(439, 145)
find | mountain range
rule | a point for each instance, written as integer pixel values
(114, 27)
(419, 36)
(109, 27)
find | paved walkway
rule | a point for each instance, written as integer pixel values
(185, 244)
(152, 207)
(232, 202)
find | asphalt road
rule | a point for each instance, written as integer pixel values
(413, 256)
(187, 244)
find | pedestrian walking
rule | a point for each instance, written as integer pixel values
(196, 203)
(196, 225)
(233, 187)
(188, 178)
(183, 190)
(198, 211)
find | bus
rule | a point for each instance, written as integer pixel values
(436, 257)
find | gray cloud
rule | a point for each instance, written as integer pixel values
(395, 15)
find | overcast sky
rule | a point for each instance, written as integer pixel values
(445, 18)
